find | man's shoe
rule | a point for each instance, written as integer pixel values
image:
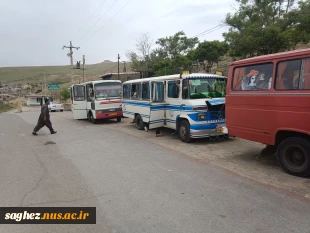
(53, 132)
(34, 133)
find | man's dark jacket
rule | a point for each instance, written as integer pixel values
(44, 112)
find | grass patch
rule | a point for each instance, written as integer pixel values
(5, 107)
(53, 74)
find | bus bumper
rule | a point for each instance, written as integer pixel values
(109, 115)
(209, 132)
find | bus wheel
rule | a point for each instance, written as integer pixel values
(184, 131)
(119, 119)
(139, 122)
(293, 155)
(89, 116)
(92, 119)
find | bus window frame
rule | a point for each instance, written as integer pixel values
(253, 64)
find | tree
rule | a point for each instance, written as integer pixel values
(301, 19)
(209, 52)
(141, 62)
(263, 27)
(178, 44)
(65, 93)
(144, 44)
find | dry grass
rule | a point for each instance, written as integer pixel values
(4, 107)
(54, 74)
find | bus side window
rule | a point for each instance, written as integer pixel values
(126, 91)
(304, 82)
(157, 92)
(79, 93)
(135, 90)
(288, 75)
(253, 78)
(173, 89)
(145, 91)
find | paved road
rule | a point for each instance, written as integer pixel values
(136, 186)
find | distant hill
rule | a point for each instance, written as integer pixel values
(60, 74)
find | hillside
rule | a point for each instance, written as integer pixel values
(57, 74)
(62, 74)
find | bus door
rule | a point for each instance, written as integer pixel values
(158, 105)
(79, 102)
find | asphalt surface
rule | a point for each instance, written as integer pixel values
(137, 186)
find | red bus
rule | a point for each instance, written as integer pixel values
(268, 101)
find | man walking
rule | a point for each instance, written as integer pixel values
(44, 119)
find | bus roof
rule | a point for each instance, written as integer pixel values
(177, 76)
(270, 57)
(98, 81)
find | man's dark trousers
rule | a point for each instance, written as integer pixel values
(42, 123)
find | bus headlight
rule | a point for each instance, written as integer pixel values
(201, 116)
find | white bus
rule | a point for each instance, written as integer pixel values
(192, 104)
(97, 100)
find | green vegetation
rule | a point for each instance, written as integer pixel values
(53, 74)
(64, 93)
(256, 28)
(5, 107)
(265, 27)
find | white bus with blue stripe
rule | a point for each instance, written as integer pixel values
(192, 104)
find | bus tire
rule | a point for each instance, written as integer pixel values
(119, 119)
(293, 155)
(89, 116)
(184, 131)
(139, 122)
(92, 119)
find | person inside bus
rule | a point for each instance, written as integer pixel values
(296, 80)
(176, 89)
(103, 94)
(186, 83)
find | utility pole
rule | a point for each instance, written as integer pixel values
(83, 67)
(71, 57)
(118, 57)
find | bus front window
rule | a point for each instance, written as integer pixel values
(108, 90)
(207, 88)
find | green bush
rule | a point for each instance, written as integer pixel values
(64, 93)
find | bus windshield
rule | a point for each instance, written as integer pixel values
(207, 88)
(108, 90)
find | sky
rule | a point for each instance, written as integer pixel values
(33, 32)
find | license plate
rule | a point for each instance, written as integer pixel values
(112, 110)
(113, 114)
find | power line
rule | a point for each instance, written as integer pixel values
(108, 21)
(212, 31)
(91, 15)
(99, 19)
(207, 30)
